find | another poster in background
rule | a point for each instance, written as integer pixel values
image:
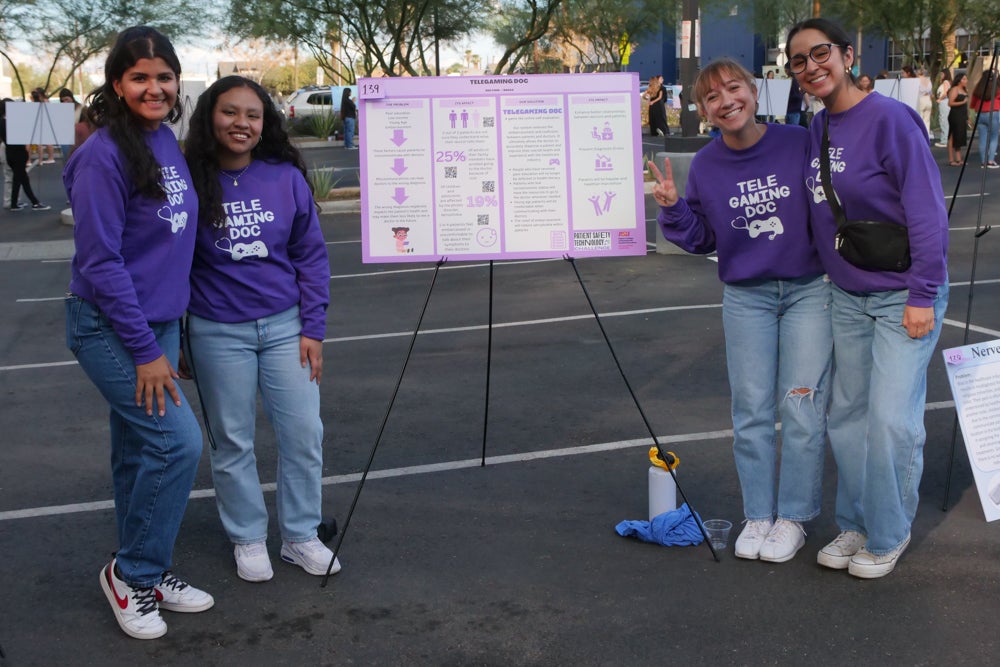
(501, 167)
(905, 90)
(40, 123)
(974, 375)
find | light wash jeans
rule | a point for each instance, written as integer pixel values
(877, 413)
(988, 131)
(349, 125)
(153, 459)
(230, 363)
(778, 352)
(943, 111)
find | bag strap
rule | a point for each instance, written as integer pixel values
(824, 173)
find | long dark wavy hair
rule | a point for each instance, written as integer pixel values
(105, 109)
(201, 148)
(833, 32)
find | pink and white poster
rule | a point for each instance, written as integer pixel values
(501, 167)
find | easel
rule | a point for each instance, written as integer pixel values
(665, 456)
(977, 234)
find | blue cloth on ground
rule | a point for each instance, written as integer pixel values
(676, 528)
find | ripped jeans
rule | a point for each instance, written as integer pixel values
(779, 348)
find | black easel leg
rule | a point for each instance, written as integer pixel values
(385, 420)
(489, 356)
(663, 455)
(980, 231)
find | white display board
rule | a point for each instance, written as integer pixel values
(40, 123)
(905, 90)
(974, 375)
(772, 96)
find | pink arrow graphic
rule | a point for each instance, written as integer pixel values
(398, 138)
(398, 166)
(400, 195)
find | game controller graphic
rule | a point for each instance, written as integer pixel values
(178, 221)
(819, 194)
(240, 251)
(758, 227)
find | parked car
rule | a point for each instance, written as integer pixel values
(313, 100)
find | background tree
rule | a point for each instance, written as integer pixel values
(595, 30)
(517, 25)
(67, 33)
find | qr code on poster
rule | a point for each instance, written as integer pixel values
(488, 121)
(451, 172)
(483, 219)
(489, 186)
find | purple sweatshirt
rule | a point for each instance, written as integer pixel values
(269, 256)
(882, 169)
(749, 206)
(133, 253)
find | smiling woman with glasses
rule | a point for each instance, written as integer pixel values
(819, 54)
(885, 324)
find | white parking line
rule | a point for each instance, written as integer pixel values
(408, 471)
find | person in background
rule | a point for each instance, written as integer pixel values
(986, 100)
(8, 175)
(134, 211)
(944, 85)
(865, 83)
(349, 114)
(775, 305)
(257, 320)
(657, 108)
(793, 114)
(66, 97)
(925, 105)
(885, 324)
(958, 119)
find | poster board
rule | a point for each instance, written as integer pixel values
(772, 96)
(41, 123)
(974, 375)
(501, 167)
(190, 91)
(905, 90)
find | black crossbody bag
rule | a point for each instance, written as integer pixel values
(867, 244)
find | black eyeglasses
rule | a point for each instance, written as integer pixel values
(819, 54)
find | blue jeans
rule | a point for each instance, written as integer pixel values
(877, 413)
(349, 125)
(778, 352)
(988, 129)
(231, 361)
(153, 458)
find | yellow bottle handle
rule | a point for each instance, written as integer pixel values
(654, 459)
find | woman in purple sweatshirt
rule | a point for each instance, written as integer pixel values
(134, 211)
(885, 324)
(744, 200)
(260, 286)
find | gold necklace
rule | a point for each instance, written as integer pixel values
(236, 177)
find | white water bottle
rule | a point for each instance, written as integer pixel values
(662, 492)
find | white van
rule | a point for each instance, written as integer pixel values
(313, 100)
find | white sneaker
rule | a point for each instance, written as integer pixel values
(173, 594)
(866, 565)
(252, 562)
(311, 555)
(783, 542)
(751, 538)
(837, 554)
(135, 608)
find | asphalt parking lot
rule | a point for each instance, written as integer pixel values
(447, 562)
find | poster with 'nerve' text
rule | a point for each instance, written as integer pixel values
(501, 167)
(974, 375)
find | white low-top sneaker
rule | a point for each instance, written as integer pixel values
(311, 555)
(173, 594)
(252, 562)
(866, 565)
(837, 554)
(752, 537)
(783, 542)
(135, 608)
